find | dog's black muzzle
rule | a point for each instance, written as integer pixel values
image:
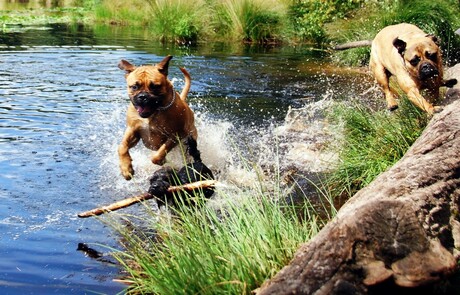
(427, 71)
(146, 103)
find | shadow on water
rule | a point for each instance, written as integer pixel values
(62, 112)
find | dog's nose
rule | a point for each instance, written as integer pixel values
(142, 97)
(427, 70)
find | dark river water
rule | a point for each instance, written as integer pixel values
(62, 108)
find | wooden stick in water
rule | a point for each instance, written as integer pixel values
(145, 196)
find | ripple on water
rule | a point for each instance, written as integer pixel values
(62, 116)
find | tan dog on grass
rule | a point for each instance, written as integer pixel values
(157, 114)
(414, 58)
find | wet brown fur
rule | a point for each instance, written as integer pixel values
(161, 130)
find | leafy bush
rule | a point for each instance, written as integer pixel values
(310, 16)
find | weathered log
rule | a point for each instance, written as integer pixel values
(354, 44)
(400, 231)
(145, 196)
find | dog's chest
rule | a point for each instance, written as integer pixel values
(154, 134)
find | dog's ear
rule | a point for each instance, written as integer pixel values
(164, 64)
(434, 38)
(126, 66)
(400, 45)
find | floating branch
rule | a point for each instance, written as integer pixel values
(146, 196)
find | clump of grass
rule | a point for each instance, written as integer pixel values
(255, 21)
(372, 141)
(179, 20)
(309, 17)
(117, 12)
(231, 250)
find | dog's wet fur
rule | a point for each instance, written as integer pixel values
(165, 177)
(157, 114)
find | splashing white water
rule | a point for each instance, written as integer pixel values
(235, 154)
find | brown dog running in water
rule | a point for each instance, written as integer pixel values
(157, 114)
(414, 58)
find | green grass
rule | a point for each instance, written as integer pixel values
(118, 12)
(41, 17)
(371, 142)
(250, 20)
(231, 249)
(178, 20)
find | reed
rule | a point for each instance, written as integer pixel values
(179, 20)
(117, 12)
(250, 20)
(226, 249)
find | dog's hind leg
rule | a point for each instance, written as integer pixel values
(192, 148)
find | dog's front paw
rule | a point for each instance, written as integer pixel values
(158, 160)
(127, 171)
(437, 109)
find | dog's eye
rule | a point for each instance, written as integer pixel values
(154, 88)
(432, 56)
(414, 61)
(134, 87)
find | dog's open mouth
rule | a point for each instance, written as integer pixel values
(143, 111)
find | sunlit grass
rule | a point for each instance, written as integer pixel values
(179, 20)
(229, 248)
(371, 142)
(117, 12)
(251, 20)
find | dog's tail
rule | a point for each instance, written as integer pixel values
(183, 94)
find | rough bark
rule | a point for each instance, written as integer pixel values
(400, 231)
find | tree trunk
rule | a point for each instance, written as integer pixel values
(400, 231)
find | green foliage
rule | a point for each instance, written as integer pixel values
(310, 16)
(117, 12)
(372, 142)
(177, 20)
(249, 20)
(227, 250)
(353, 57)
(42, 16)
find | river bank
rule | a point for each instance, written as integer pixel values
(321, 24)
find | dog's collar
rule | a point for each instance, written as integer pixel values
(170, 104)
